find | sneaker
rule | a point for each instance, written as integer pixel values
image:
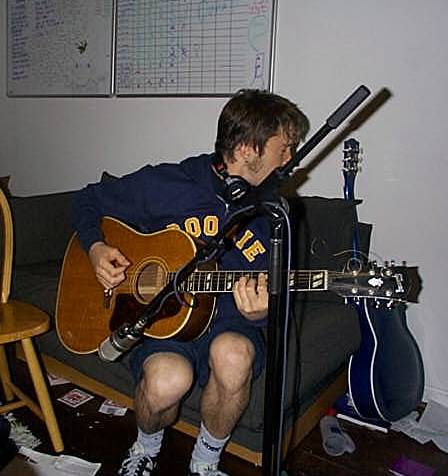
(205, 469)
(137, 462)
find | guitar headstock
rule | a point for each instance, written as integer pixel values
(352, 156)
(384, 284)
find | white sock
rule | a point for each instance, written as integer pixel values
(207, 448)
(150, 442)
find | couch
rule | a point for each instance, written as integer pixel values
(323, 331)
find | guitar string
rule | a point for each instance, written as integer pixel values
(225, 275)
(303, 273)
(220, 280)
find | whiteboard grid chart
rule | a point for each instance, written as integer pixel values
(193, 47)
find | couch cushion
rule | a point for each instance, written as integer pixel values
(42, 227)
(4, 185)
(37, 284)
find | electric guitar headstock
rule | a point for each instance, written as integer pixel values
(350, 166)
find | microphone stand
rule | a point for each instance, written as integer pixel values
(256, 200)
(275, 359)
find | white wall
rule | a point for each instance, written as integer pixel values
(325, 49)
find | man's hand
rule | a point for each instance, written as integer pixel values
(251, 297)
(108, 264)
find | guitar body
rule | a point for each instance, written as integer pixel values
(362, 367)
(85, 316)
(385, 375)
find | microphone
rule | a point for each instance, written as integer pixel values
(120, 341)
(348, 106)
(128, 334)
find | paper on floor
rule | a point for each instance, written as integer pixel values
(21, 434)
(109, 407)
(62, 465)
(432, 426)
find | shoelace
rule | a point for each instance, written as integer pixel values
(210, 473)
(136, 465)
(206, 470)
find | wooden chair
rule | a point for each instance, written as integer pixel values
(20, 322)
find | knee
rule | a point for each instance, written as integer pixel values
(231, 357)
(165, 379)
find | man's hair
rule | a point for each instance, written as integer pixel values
(252, 116)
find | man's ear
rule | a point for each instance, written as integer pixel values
(244, 152)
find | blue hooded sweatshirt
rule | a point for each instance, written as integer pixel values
(187, 195)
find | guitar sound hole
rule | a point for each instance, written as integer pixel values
(150, 281)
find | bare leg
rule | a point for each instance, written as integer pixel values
(165, 380)
(227, 392)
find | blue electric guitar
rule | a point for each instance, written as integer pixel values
(386, 376)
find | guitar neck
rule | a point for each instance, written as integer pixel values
(349, 185)
(223, 281)
(351, 161)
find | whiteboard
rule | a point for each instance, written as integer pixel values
(193, 47)
(60, 48)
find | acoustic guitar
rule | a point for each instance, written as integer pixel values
(86, 315)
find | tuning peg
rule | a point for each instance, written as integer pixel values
(404, 263)
(392, 263)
